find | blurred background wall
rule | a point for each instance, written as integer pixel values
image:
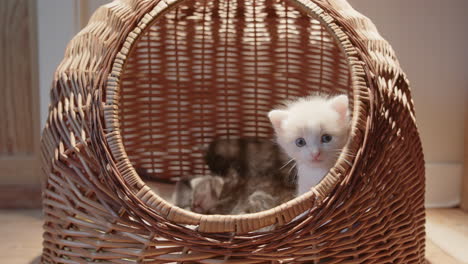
(19, 104)
(429, 36)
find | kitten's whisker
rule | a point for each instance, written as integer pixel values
(342, 151)
(292, 167)
(346, 153)
(347, 162)
(287, 163)
(344, 157)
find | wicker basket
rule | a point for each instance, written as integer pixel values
(147, 81)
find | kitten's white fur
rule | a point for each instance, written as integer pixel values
(206, 191)
(310, 118)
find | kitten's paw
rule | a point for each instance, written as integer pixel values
(260, 201)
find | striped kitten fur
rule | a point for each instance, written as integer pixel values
(256, 175)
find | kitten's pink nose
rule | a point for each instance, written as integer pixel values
(315, 155)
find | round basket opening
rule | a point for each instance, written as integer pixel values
(210, 69)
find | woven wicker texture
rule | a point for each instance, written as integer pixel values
(148, 82)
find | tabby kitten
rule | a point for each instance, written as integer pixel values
(248, 175)
(251, 158)
(257, 175)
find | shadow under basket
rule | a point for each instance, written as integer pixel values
(147, 82)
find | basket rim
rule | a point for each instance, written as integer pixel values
(152, 203)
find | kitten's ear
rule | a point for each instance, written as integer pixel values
(277, 117)
(196, 181)
(340, 104)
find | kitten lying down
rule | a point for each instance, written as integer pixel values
(198, 194)
(251, 175)
(247, 175)
(204, 197)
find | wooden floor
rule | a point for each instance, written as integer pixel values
(447, 233)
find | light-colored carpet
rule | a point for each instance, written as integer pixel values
(448, 230)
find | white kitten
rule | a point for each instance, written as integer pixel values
(312, 131)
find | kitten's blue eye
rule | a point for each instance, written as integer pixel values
(300, 142)
(326, 138)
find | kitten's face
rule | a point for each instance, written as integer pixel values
(313, 131)
(206, 192)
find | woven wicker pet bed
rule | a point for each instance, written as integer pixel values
(147, 81)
